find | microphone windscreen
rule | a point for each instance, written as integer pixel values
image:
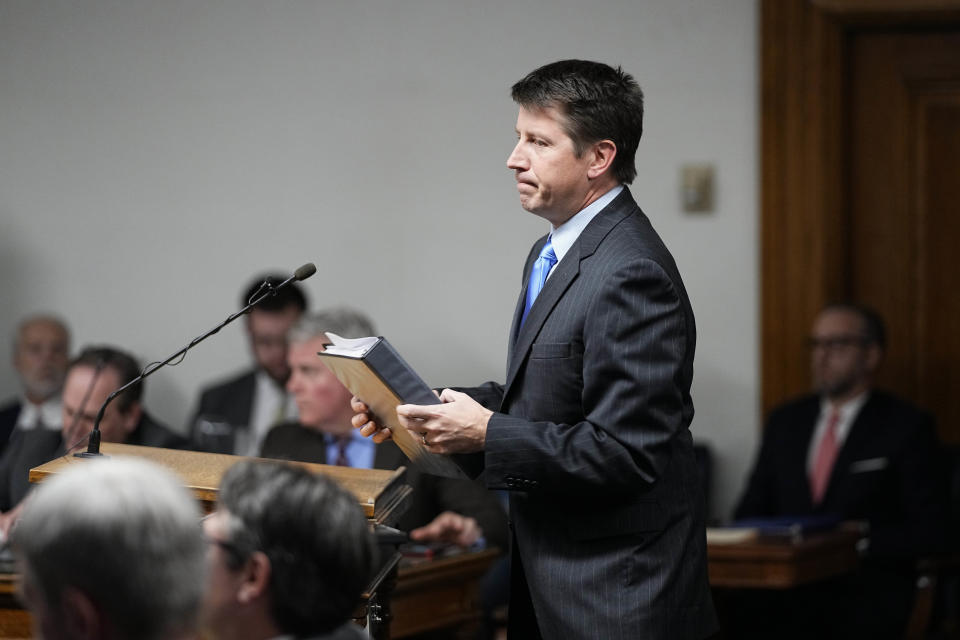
(305, 271)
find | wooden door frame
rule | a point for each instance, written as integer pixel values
(803, 213)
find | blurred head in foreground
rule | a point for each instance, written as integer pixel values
(111, 548)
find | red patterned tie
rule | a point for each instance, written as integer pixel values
(342, 451)
(826, 455)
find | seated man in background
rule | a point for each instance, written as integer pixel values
(858, 453)
(233, 416)
(442, 510)
(91, 378)
(111, 549)
(41, 350)
(290, 554)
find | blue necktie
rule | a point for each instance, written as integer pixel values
(538, 276)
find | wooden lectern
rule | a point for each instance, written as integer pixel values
(382, 494)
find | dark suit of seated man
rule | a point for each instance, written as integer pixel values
(442, 509)
(861, 454)
(234, 415)
(91, 377)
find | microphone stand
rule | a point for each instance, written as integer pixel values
(93, 446)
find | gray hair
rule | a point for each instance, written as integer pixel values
(345, 322)
(124, 533)
(39, 318)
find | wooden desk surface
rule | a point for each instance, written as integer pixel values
(773, 563)
(15, 621)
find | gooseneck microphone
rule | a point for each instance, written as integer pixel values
(266, 290)
(79, 412)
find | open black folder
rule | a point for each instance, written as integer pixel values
(374, 372)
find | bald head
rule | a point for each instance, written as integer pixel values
(41, 351)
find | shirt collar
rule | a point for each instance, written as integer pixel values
(848, 412)
(848, 409)
(354, 436)
(565, 235)
(50, 413)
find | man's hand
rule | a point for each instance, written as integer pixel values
(9, 518)
(364, 421)
(449, 527)
(459, 425)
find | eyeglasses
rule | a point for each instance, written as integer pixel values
(836, 343)
(238, 553)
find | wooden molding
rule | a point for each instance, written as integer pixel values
(803, 213)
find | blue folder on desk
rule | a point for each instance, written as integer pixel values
(790, 526)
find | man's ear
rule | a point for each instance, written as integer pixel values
(80, 615)
(132, 417)
(873, 357)
(256, 578)
(602, 154)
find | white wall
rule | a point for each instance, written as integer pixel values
(155, 155)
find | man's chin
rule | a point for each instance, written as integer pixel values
(835, 390)
(279, 377)
(45, 389)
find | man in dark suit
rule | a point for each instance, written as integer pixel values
(41, 349)
(860, 454)
(91, 378)
(589, 434)
(458, 511)
(234, 415)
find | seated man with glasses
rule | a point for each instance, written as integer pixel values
(289, 554)
(855, 452)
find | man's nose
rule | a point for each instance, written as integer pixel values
(516, 161)
(293, 382)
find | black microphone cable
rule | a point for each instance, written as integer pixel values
(78, 414)
(93, 446)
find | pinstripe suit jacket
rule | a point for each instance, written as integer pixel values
(590, 436)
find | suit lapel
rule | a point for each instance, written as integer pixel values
(560, 280)
(565, 273)
(388, 455)
(518, 310)
(800, 449)
(852, 444)
(323, 451)
(241, 403)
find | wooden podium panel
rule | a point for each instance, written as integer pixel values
(440, 594)
(780, 563)
(382, 494)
